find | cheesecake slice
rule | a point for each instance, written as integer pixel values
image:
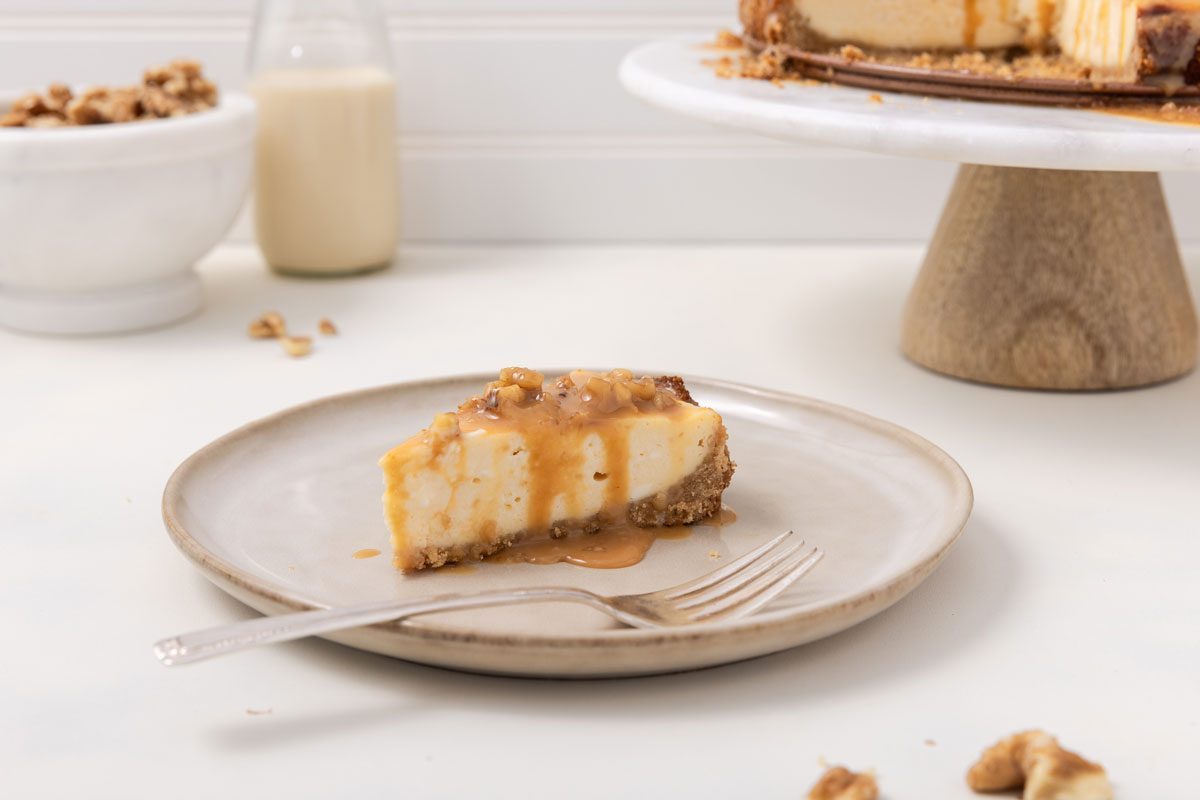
(1110, 40)
(529, 458)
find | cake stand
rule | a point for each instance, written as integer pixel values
(1054, 266)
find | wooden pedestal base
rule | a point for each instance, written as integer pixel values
(1047, 279)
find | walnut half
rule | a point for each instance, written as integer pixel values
(1036, 761)
(839, 783)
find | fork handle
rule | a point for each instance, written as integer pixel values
(212, 642)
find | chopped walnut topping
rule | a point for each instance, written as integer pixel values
(528, 379)
(597, 390)
(445, 425)
(326, 327)
(297, 346)
(1036, 761)
(839, 783)
(174, 90)
(579, 394)
(515, 386)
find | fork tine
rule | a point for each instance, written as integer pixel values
(718, 575)
(741, 578)
(762, 590)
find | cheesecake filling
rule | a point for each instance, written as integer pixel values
(528, 458)
(1123, 40)
(907, 25)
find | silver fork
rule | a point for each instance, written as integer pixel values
(731, 592)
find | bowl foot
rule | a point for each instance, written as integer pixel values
(129, 308)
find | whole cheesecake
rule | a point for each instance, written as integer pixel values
(1114, 40)
(528, 458)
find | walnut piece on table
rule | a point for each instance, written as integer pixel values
(839, 783)
(296, 346)
(1035, 761)
(268, 326)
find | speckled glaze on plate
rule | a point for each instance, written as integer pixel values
(274, 512)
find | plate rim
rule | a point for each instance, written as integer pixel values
(226, 575)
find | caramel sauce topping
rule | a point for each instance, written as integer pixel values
(573, 449)
(972, 20)
(556, 420)
(1167, 113)
(611, 548)
(1046, 16)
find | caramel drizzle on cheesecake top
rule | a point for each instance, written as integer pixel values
(1045, 16)
(556, 421)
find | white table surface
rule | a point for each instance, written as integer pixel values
(1071, 602)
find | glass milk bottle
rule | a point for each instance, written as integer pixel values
(326, 193)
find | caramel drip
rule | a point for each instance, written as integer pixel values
(1046, 17)
(613, 548)
(367, 552)
(1169, 114)
(461, 469)
(971, 22)
(1105, 8)
(555, 459)
(493, 499)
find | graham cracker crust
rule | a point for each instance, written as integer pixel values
(694, 499)
(776, 25)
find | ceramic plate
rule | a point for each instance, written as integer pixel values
(274, 512)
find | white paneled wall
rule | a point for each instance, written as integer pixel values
(514, 127)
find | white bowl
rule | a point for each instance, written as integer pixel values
(100, 226)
